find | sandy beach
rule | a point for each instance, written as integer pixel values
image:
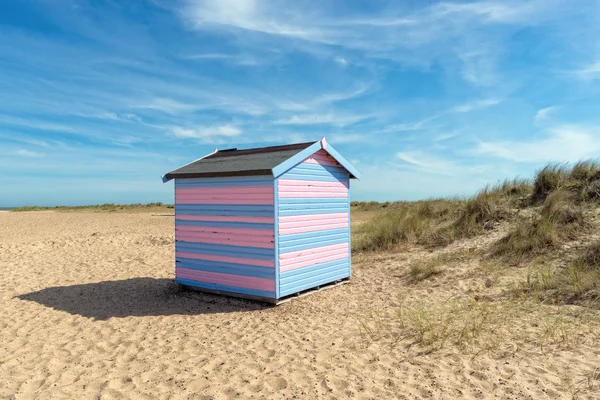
(90, 310)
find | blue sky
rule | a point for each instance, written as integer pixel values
(99, 99)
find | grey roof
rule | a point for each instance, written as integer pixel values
(234, 162)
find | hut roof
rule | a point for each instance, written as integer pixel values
(272, 160)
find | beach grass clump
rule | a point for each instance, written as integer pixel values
(439, 222)
(582, 180)
(577, 282)
(405, 223)
(463, 323)
(560, 219)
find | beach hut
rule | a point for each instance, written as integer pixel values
(263, 223)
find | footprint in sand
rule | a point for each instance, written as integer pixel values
(277, 383)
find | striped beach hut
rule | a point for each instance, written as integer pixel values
(263, 223)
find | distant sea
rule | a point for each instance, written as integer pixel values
(6, 208)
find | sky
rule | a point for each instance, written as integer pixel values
(99, 99)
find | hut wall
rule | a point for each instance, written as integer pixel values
(224, 233)
(313, 223)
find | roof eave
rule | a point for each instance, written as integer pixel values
(169, 175)
(254, 172)
(304, 154)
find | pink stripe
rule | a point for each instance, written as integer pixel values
(211, 230)
(234, 260)
(308, 189)
(304, 195)
(311, 184)
(321, 157)
(224, 218)
(248, 282)
(179, 200)
(309, 252)
(229, 190)
(312, 217)
(231, 240)
(312, 228)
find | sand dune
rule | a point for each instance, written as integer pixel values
(89, 310)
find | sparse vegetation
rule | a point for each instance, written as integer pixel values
(468, 324)
(550, 226)
(99, 207)
(440, 222)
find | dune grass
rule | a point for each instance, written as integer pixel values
(108, 207)
(439, 222)
(556, 210)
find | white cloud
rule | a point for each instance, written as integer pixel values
(26, 153)
(506, 12)
(342, 138)
(427, 162)
(410, 126)
(168, 106)
(544, 113)
(250, 15)
(342, 61)
(208, 133)
(563, 143)
(319, 119)
(238, 59)
(590, 72)
(475, 105)
(440, 32)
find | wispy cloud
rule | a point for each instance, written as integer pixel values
(589, 72)
(243, 59)
(320, 119)
(343, 138)
(443, 29)
(475, 105)
(544, 113)
(209, 134)
(26, 153)
(428, 163)
(563, 143)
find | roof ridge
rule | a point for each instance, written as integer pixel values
(259, 150)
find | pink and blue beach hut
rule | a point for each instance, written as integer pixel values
(263, 223)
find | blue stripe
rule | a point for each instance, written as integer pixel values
(309, 277)
(232, 289)
(225, 250)
(242, 210)
(309, 240)
(316, 172)
(226, 268)
(263, 180)
(301, 273)
(293, 206)
(252, 225)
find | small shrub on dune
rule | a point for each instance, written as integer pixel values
(585, 171)
(515, 187)
(578, 281)
(549, 179)
(560, 220)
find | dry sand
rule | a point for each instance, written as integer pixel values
(90, 310)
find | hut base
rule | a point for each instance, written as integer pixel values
(267, 299)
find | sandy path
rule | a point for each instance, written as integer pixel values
(89, 310)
